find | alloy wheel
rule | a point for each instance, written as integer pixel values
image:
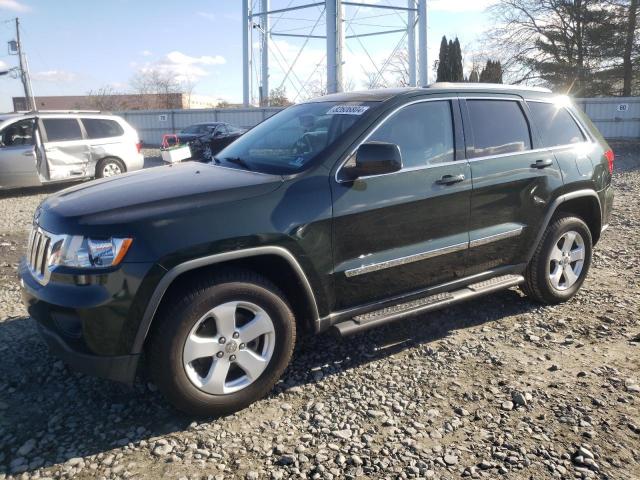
(229, 347)
(111, 169)
(566, 260)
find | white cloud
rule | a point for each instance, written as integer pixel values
(206, 15)
(146, 53)
(179, 58)
(54, 76)
(14, 6)
(183, 66)
(459, 5)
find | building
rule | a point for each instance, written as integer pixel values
(176, 101)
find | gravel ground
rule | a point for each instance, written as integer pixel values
(497, 388)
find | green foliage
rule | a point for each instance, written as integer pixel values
(450, 61)
(492, 72)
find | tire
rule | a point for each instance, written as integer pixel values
(110, 166)
(190, 381)
(551, 276)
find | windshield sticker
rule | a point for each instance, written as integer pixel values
(347, 110)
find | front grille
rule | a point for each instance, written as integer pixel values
(38, 251)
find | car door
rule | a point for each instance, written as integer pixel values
(19, 155)
(66, 151)
(402, 232)
(514, 178)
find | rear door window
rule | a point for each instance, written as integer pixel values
(62, 129)
(102, 128)
(556, 125)
(499, 127)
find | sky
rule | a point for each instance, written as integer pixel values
(74, 46)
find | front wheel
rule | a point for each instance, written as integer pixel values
(222, 344)
(560, 263)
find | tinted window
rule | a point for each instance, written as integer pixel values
(18, 133)
(499, 127)
(102, 128)
(60, 129)
(556, 125)
(221, 130)
(423, 131)
(291, 139)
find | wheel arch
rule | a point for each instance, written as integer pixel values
(582, 203)
(275, 263)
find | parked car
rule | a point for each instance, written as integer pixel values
(345, 212)
(39, 148)
(196, 130)
(206, 146)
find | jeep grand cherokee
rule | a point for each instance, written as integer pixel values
(345, 212)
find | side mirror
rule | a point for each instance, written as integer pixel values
(376, 158)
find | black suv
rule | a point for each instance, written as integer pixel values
(345, 212)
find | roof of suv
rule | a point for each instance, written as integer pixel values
(56, 113)
(382, 94)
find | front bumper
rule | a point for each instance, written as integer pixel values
(90, 321)
(120, 368)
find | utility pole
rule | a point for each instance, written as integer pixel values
(333, 13)
(265, 53)
(246, 59)
(423, 59)
(411, 41)
(24, 71)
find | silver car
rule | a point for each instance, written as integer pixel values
(40, 148)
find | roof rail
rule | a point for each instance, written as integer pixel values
(486, 86)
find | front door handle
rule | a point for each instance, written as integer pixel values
(28, 153)
(450, 179)
(547, 162)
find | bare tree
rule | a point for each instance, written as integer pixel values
(574, 46)
(162, 84)
(107, 98)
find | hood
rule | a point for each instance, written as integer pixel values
(152, 193)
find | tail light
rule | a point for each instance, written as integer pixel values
(139, 146)
(610, 157)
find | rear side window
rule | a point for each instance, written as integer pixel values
(102, 128)
(556, 125)
(62, 129)
(499, 127)
(423, 131)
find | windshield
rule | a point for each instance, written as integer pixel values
(287, 142)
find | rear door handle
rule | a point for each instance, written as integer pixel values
(28, 153)
(547, 162)
(450, 179)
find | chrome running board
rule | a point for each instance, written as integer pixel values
(369, 320)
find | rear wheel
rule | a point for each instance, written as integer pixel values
(560, 263)
(108, 167)
(222, 344)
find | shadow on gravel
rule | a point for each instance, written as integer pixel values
(49, 414)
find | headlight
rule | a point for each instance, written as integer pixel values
(82, 252)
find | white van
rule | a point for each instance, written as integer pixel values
(37, 148)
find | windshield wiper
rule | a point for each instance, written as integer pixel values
(238, 161)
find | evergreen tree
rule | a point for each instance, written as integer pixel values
(474, 77)
(492, 72)
(455, 56)
(443, 62)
